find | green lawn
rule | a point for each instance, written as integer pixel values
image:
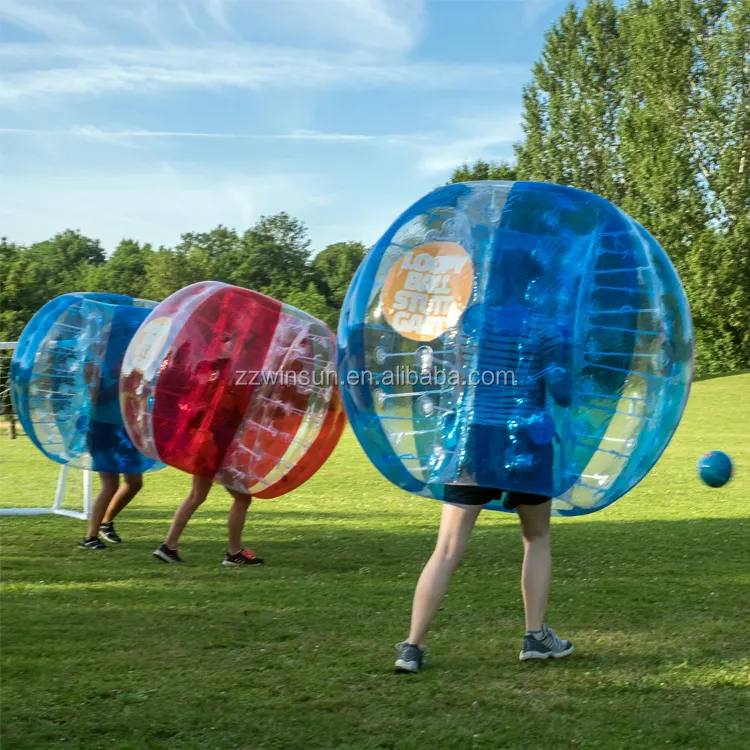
(117, 650)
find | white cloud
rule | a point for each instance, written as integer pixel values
(94, 47)
(158, 204)
(386, 26)
(101, 48)
(531, 9)
(466, 139)
(126, 137)
(157, 45)
(188, 16)
(463, 139)
(44, 18)
(92, 71)
(469, 139)
(216, 9)
(155, 205)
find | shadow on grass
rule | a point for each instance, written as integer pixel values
(217, 513)
(300, 650)
(721, 375)
(657, 566)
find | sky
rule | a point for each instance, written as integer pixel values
(146, 119)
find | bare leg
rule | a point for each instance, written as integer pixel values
(236, 520)
(456, 525)
(131, 487)
(198, 493)
(110, 483)
(537, 562)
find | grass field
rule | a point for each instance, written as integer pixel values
(117, 650)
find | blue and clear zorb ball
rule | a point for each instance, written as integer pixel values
(715, 468)
(65, 376)
(520, 336)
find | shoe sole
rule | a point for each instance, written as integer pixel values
(99, 549)
(230, 564)
(165, 558)
(406, 667)
(110, 539)
(538, 655)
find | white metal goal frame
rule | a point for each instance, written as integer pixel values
(57, 504)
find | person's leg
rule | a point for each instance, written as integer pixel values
(132, 485)
(539, 642)
(456, 525)
(198, 493)
(236, 520)
(109, 484)
(537, 562)
(236, 554)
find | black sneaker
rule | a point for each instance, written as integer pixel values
(545, 646)
(92, 542)
(410, 658)
(243, 557)
(167, 555)
(108, 533)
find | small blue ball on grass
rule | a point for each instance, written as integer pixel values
(715, 468)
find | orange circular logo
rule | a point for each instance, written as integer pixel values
(427, 289)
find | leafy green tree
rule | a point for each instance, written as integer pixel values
(654, 124)
(334, 267)
(274, 258)
(483, 170)
(10, 323)
(125, 271)
(45, 270)
(717, 132)
(313, 302)
(165, 273)
(685, 132)
(648, 105)
(8, 253)
(215, 253)
(719, 291)
(571, 105)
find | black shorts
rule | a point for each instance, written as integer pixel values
(467, 495)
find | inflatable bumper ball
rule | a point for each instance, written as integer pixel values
(520, 336)
(65, 376)
(226, 383)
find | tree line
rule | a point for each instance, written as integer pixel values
(647, 105)
(274, 257)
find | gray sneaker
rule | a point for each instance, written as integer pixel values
(549, 646)
(410, 657)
